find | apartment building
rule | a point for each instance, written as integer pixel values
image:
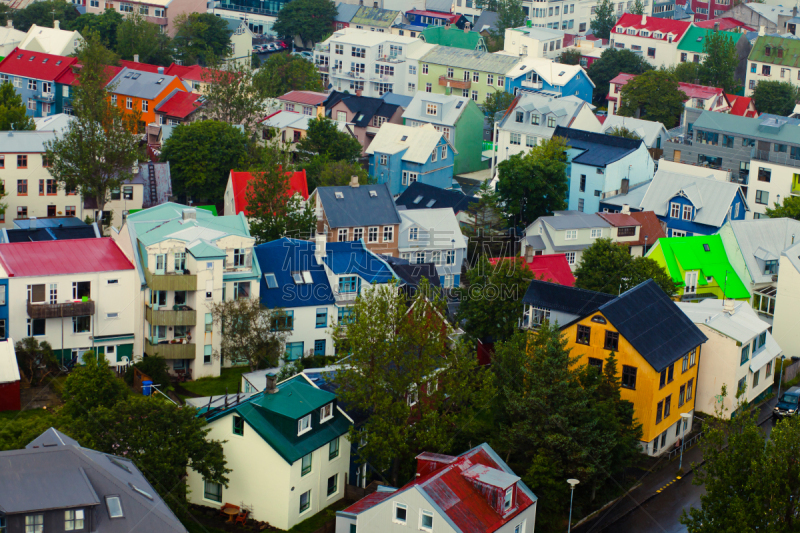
(534, 42)
(573, 17)
(655, 38)
(159, 12)
(772, 59)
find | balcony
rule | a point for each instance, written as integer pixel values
(742, 178)
(532, 84)
(356, 75)
(47, 310)
(761, 155)
(171, 317)
(245, 9)
(322, 68)
(170, 282)
(170, 351)
(344, 298)
(394, 59)
(320, 47)
(444, 81)
(45, 97)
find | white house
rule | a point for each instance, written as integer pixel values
(654, 134)
(573, 17)
(10, 38)
(433, 236)
(787, 306)
(655, 38)
(287, 450)
(51, 40)
(77, 295)
(533, 42)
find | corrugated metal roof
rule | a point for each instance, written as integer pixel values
(694, 38)
(36, 65)
(743, 325)
(783, 129)
(416, 144)
(357, 207)
(448, 112)
(598, 149)
(140, 84)
(556, 74)
(452, 36)
(374, 16)
(572, 300)
(439, 228)
(25, 141)
(773, 235)
(564, 222)
(354, 258)
(419, 195)
(470, 59)
(283, 256)
(345, 12)
(647, 130)
(47, 258)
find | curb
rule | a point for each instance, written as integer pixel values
(606, 506)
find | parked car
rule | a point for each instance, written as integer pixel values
(308, 56)
(271, 47)
(282, 45)
(788, 403)
(256, 49)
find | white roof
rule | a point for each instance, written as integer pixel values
(556, 74)
(763, 239)
(51, 40)
(290, 119)
(770, 12)
(57, 123)
(416, 143)
(420, 50)
(692, 170)
(450, 110)
(368, 38)
(446, 232)
(10, 36)
(9, 371)
(646, 129)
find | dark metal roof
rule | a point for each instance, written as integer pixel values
(599, 149)
(363, 107)
(357, 207)
(570, 300)
(456, 200)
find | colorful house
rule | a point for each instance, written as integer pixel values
(142, 92)
(543, 74)
(33, 75)
(423, 18)
(700, 267)
(238, 182)
(452, 36)
(657, 349)
(433, 236)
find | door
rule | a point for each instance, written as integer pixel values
(51, 210)
(691, 282)
(677, 156)
(161, 263)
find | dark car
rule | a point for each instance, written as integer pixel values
(788, 403)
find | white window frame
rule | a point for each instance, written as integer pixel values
(304, 425)
(413, 234)
(422, 514)
(597, 233)
(674, 210)
(373, 230)
(687, 213)
(570, 257)
(570, 235)
(322, 416)
(343, 232)
(388, 230)
(394, 513)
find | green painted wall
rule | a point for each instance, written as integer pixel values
(434, 71)
(469, 140)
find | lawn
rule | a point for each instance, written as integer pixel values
(315, 522)
(229, 380)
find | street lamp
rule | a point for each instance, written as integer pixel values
(572, 483)
(685, 416)
(783, 357)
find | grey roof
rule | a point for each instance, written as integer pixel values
(470, 59)
(487, 21)
(139, 83)
(358, 207)
(25, 141)
(633, 198)
(59, 474)
(345, 12)
(711, 198)
(535, 242)
(49, 222)
(439, 5)
(770, 12)
(767, 237)
(770, 127)
(397, 99)
(598, 149)
(449, 111)
(565, 110)
(564, 222)
(647, 130)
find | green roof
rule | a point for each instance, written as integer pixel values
(687, 253)
(695, 37)
(210, 208)
(782, 51)
(203, 250)
(165, 221)
(468, 40)
(374, 16)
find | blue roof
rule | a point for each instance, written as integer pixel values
(52, 222)
(280, 258)
(599, 149)
(397, 99)
(354, 258)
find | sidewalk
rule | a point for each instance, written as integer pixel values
(663, 474)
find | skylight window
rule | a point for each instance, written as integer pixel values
(32, 58)
(160, 80)
(707, 248)
(360, 116)
(140, 491)
(58, 62)
(44, 60)
(307, 277)
(522, 67)
(404, 138)
(135, 76)
(271, 281)
(373, 194)
(430, 203)
(128, 75)
(114, 507)
(418, 199)
(297, 277)
(119, 464)
(561, 73)
(459, 104)
(339, 195)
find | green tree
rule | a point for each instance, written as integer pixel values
(775, 97)
(534, 184)
(284, 72)
(491, 299)
(570, 56)
(105, 25)
(200, 38)
(311, 20)
(655, 96)
(509, 15)
(789, 209)
(689, 72)
(91, 384)
(604, 19)
(609, 65)
(35, 359)
(97, 151)
(324, 138)
(637, 8)
(12, 110)
(137, 36)
(152, 366)
(485, 222)
(622, 131)
(337, 173)
(719, 65)
(496, 102)
(43, 14)
(17, 432)
(201, 156)
(233, 97)
(162, 439)
(5, 14)
(401, 355)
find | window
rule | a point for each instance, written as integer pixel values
(628, 377)
(765, 70)
(745, 354)
(675, 210)
(81, 324)
(765, 174)
(342, 237)
(412, 87)
(581, 202)
(443, 154)
(490, 79)
(530, 141)
(535, 119)
(768, 371)
(22, 162)
(326, 412)
(582, 184)
(426, 520)
(597, 233)
(207, 352)
(551, 122)
(129, 103)
(428, 87)
(755, 378)
(400, 513)
(742, 385)
(22, 211)
(692, 357)
(596, 363)
(144, 106)
(31, 85)
(612, 340)
(238, 425)
(333, 484)
(584, 334)
(627, 231)
(358, 52)
(73, 519)
(412, 398)
(571, 234)
(114, 505)
(515, 138)
(520, 116)
(570, 258)
(762, 197)
(651, 52)
(305, 501)
(34, 523)
(372, 234)
(659, 409)
(682, 395)
(667, 404)
(689, 389)
(687, 212)
(388, 233)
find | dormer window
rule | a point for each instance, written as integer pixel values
(431, 109)
(658, 35)
(768, 50)
(304, 425)
(644, 33)
(508, 501)
(620, 29)
(326, 413)
(631, 31)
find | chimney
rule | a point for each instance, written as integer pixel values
(626, 209)
(33, 223)
(56, 25)
(728, 306)
(354, 182)
(135, 58)
(794, 12)
(161, 70)
(716, 26)
(359, 92)
(270, 387)
(644, 20)
(762, 30)
(466, 27)
(10, 24)
(319, 248)
(189, 214)
(625, 186)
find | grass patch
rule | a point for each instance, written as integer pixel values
(229, 379)
(315, 522)
(24, 415)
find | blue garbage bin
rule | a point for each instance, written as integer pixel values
(147, 387)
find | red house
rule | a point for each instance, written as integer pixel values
(9, 377)
(552, 267)
(236, 191)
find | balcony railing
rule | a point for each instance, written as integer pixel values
(356, 75)
(345, 297)
(45, 97)
(170, 351)
(444, 81)
(48, 310)
(532, 84)
(323, 68)
(742, 178)
(761, 155)
(171, 317)
(320, 47)
(170, 282)
(245, 9)
(391, 59)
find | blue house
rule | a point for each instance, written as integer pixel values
(401, 155)
(541, 74)
(601, 165)
(692, 205)
(33, 75)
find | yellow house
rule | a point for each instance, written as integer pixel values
(658, 351)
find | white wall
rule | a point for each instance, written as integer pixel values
(778, 187)
(665, 52)
(306, 331)
(787, 308)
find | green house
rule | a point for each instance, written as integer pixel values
(691, 47)
(452, 36)
(700, 267)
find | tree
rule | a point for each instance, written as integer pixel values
(137, 36)
(97, 151)
(491, 299)
(637, 8)
(284, 72)
(324, 138)
(496, 102)
(789, 209)
(609, 65)
(5, 14)
(162, 439)
(232, 97)
(200, 38)
(570, 56)
(330, 173)
(622, 131)
(154, 367)
(399, 356)
(35, 359)
(534, 184)
(608, 267)
(655, 96)
(604, 19)
(509, 15)
(90, 385)
(311, 20)
(104, 24)
(44, 13)
(201, 156)
(719, 65)
(251, 331)
(12, 110)
(485, 221)
(775, 97)
(689, 72)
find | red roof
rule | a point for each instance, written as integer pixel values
(240, 180)
(602, 118)
(741, 106)
(192, 73)
(654, 24)
(304, 97)
(35, 65)
(463, 489)
(180, 104)
(551, 267)
(725, 23)
(436, 14)
(141, 67)
(70, 77)
(619, 219)
(703, 92)
(622, 78)
(651, 228)
(47, 258)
